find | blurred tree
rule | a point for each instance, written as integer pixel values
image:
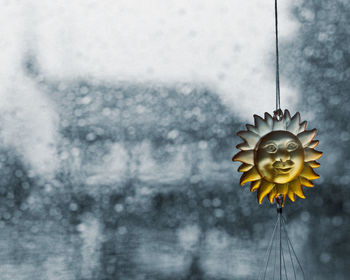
(16, 183)
(94, 117)
(319, 61)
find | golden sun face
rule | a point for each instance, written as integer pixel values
(278, 156)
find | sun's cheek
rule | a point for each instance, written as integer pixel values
(264, 162)
(297, 157)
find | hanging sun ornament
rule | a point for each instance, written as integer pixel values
(278, 156)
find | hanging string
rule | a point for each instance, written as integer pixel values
(278, 114)
(278, 93)
(269, 249)
(287, 268)
(290, 253)
(279, 211)
(274, 265)
(291, 246)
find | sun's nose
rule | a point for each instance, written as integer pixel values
(282, 155)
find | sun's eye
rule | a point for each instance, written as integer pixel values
(292, 146)
(270, 148)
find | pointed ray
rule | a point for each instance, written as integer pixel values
(272, 195)
(279, 125)
(305, 182)
(255, 185)
(258, 120)
(313, 164)
(252, 128)
(243, 147)
(249, 137)
(245, 157)
(287, 118)
(261, 125)
(265, 188)
(284, 199)
(245, 167)
(296, 117)
(295, 187)
(291, 195)
(282, 189)
(287, 115)
(311, 154)
(313, 144)
(309, 173)
(249, 176)
(306, 137)
(269, 120)
(293, 126)
(302, 126)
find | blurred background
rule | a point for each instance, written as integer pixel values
(118, 125)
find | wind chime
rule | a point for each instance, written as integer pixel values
(278, 157)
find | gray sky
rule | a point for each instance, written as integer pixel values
(225, 46)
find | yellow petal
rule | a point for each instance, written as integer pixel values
(281, 189)
(306, 137)
(295, 187)
(245, 157)
(255, 185)
(305, 182)
(245, 167)
(291, 195)
(311, 154)
(313, 164)
(249, 176)
(272, 195)
(309, 173)
(265, 188)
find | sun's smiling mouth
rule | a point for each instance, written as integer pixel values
(283, 167)
(283, 170)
